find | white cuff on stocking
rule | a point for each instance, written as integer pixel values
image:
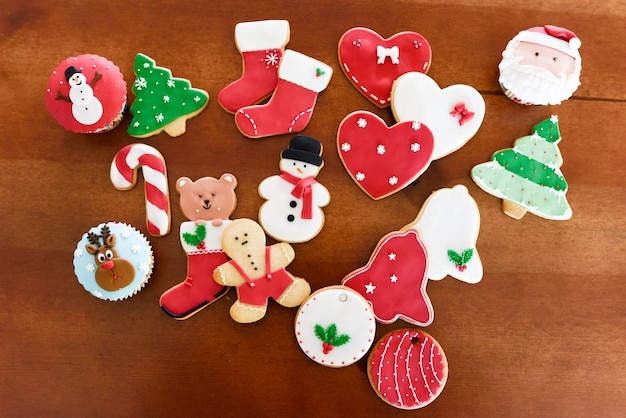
(304, 71)
(262, 34)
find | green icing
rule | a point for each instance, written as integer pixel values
(548, 129)
(538, 149)
(530, 169)
(160, 98)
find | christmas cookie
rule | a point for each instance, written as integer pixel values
(292, 211)
(453, 114)
(335, 326)
(408, 369)
(257, 271)
(123, 175)
(300, 80)
(86, 94)
(207, 203)
(448, 226)
(383, 160)
(113, 261)
(541, 66)
(373, 63)
(162, 102)
(528, 176)
(261, 44)
(394, 280)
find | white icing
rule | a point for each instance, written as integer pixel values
(449, 220)
(304, 71)
(212, 241)
(393, 53)
(352, 315)
(86, 108)
(262, 34)
(417, 97)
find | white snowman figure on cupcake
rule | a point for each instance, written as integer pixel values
(292, 212)
(86, 108)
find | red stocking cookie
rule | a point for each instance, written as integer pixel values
(408, 369)
(394, 280)
(383, 160)
(372, 63)
(300, 79)
(262, 44)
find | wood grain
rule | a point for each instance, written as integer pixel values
(541, 335)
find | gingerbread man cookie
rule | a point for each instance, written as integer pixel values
(257, 271)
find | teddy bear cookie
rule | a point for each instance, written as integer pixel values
(528, 176)
(262, 45)
(541, 66)
(163, 102)
(407, 369)
(292, 210)
(113, 261)
(257, 271)
(335, 326)
(86, 94)
(207, 203)
(448, 226)
(394, 280)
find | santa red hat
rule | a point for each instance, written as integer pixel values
(555, 37)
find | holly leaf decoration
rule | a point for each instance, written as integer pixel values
(460, 260)
(196, 238)
(329, 335)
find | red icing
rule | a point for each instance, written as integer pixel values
(110, 90)
(405, 154)
(360, 61)
(408, 369)
(394, 280)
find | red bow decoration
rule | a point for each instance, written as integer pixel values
(466, 115)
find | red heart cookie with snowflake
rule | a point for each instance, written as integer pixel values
(394, 280)
(372, 63)
(383, 160)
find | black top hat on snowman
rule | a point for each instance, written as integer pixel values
(70, 71)
(304, 148)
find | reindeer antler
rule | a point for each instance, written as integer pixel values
(105, 232)
(93, 239)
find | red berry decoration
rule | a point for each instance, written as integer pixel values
(407, 369)
(329, 337)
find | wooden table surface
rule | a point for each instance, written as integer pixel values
(543, 333)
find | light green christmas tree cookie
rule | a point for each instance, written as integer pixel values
(527, 177)
(162, 103)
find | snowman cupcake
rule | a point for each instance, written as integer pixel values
(86, 94)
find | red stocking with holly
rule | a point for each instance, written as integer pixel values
(300, 79)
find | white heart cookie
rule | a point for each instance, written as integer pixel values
(453, 114)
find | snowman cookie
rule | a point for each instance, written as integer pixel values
(448, 226)
(335, 326)
(86, 94)
(292, 211)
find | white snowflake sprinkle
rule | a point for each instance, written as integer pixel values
(90, 268)
(135, 248)
(416, 126)
(159, 118)
(136, 124)
(393, 180)
(381, 149)
(415, 147)
(141, 83)
(97, 293)
(271, 59)
(360, 176)
(361, 122)
(166, 99)
(143, 267)
(170, 83)
(196, 99)
(79, 252)
(125, 232)
(146, 65)
(345, 147)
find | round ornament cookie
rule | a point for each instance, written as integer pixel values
(86, 94)
(335, 326)
(407, 369)
(113, 261)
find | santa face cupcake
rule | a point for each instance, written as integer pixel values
(86, 94)
(541, 66)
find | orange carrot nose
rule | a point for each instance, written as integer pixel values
(108, 265)
(299, 170)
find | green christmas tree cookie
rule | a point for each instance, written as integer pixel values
(162, 103)
(527, 177)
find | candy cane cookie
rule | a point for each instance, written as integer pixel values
(124, 176)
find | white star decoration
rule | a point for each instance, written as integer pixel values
(369, 288)
(361, 122)
(554, 118)
(393, 278)
(392, 256)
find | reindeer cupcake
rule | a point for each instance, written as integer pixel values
(113, 261)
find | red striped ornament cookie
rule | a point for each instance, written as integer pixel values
(407, 369)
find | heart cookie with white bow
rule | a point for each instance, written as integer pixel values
(383, 160)
(372, 63)
(453, 114)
